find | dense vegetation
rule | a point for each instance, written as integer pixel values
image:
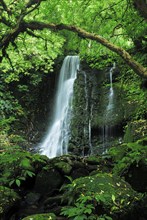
(35, 35)
(29, 52)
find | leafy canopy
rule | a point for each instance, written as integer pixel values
(116, 21)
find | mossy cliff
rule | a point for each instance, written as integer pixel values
(92, 125)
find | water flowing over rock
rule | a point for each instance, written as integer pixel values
(106, 130)
(98, 111)
(56, 140)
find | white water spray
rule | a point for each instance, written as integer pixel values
(56, 140)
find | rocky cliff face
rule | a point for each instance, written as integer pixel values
(96, 122)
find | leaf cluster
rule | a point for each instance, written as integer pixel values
(127, 154)
(93, 195)
(17, 167)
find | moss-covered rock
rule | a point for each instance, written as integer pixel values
(107, 193)
(47, 181)
(130, 161)
(64, 167)
(8, 199)
(47, 216)
(94, 160)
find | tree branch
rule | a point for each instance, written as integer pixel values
(23, 26)
(138, 68)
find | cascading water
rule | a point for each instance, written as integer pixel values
(111, 93)
(88, 115)
(56, 141)
(86, 129)
(86, 92)
(106, 130)
(90, 141)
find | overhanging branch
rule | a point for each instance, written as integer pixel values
(138, 68)
(23, 26)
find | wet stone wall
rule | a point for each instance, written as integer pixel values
(95, 126)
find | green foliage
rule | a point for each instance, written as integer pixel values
(127, 154)
(88, 196)
(18, 165)
(135, 130)
(32, 58)
(79, 211)
(7, 198)
(8, 104)
(82, 210)
(17, 168)
(117, 21)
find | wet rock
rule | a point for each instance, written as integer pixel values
(32, 198)
(137, 176)
(79, 173)
(47, 181)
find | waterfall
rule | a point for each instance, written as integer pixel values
(88, 115)
(106, 130)
(111, 92)
(86, 91)
(90, 140)
(56, 140)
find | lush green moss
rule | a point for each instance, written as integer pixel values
(63, 167)
(93, 160)
(47, 216)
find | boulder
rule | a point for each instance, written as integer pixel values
(47, 181)
(137, 176)
(106, 193)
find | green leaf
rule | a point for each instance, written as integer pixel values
(88, 210)
(22, 178)
(113, 198)
(25, 163)
(18, 182)
(11, 182)
(29, 173)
